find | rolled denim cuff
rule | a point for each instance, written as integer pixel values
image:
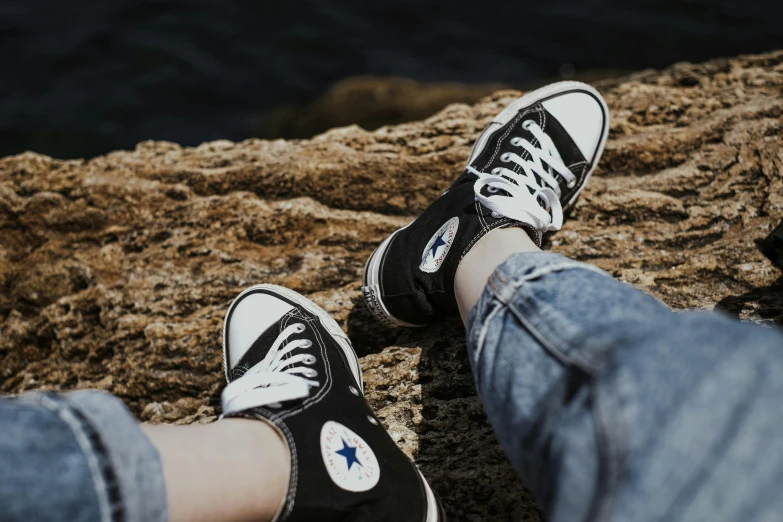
(125, 467)
(504, 282)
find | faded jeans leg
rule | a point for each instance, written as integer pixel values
(611, 406)
(79, 457)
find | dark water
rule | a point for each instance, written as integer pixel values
(80, 78)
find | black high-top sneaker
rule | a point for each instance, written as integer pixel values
(290, 365)
(526, 170)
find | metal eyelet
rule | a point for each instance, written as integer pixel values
(492, 190)
(310, 359)
(496, 171)
(505, 158)
(307, 344)
(312, 373)
(527, 124)
(571, 184)
(353, 390)
(372, 419)
(300, 327)
(515, 142)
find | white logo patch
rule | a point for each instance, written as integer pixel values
(439, 246)
(348, 459)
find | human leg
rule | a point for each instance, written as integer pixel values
(83, 457)
(230, 470)
(296, 442)
(613, 407)
(610, 405)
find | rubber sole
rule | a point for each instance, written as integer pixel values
(371, 288)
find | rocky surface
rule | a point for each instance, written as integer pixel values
(116, 272)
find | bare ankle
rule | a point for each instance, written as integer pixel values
(233, 469)
(478, 264)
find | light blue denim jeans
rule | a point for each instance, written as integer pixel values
(613, 407)
(79, 457)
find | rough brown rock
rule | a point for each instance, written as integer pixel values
(116, 272)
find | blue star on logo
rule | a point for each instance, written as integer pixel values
(349, 452)
(437, 244)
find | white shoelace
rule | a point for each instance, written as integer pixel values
(276, 378)
(521, 204)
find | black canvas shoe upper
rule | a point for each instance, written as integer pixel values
(290, 365)
(409, 280)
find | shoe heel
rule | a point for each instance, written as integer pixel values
(371, 288)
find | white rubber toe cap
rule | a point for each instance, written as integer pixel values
(249, 317)
(583, 116)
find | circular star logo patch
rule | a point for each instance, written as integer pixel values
(438, 246)
(348, 459)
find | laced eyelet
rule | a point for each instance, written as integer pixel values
(310, 359)
(307, 344)
(492, 190)
(372, 419)
(505, 158)
(300, 327)
(527, 124)
(516, 141)
(353, 390)
(311, 373)
(571, 184)
(496, 171)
